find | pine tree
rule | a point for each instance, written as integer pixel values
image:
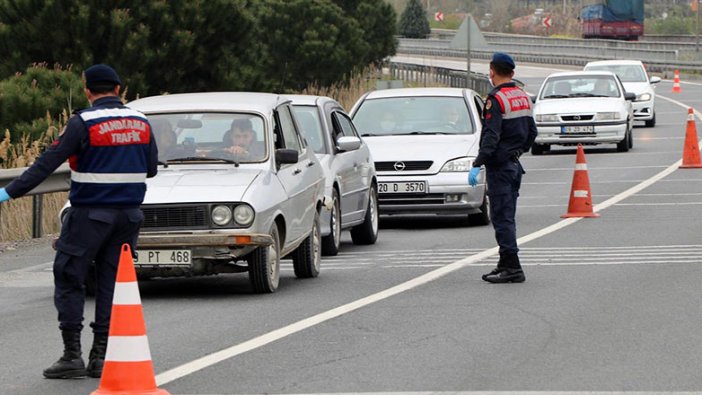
(414, 22)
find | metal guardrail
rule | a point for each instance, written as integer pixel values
(430, 74)
(58, 181)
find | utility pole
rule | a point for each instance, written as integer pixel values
(468, 76)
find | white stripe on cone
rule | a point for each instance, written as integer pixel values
(580, 194)
(128, 349)
(126, 294)
(581, 166)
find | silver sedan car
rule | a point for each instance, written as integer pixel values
(351, 184)
(238, 189)
(424, 141)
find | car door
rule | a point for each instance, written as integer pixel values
(353, 170)
(300, 180)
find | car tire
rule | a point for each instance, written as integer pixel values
(537, 149)
(483, 217)
(367, 232)
(651, 122)
(308, 255)
(264, 265)
(623, 146)
(331, 243)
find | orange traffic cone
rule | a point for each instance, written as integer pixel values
(676, 83)
(128, 368)
(580, 204)
(691, 151)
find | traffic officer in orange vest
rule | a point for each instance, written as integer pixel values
(111, 151)
(508, 131)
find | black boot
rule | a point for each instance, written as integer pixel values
(70, 365)
(501, 265)
(97, 355)
(511, 272)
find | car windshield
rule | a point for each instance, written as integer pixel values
(580, 86)
(626, 73)
(202, 137)
(413, 115)
(308, 119)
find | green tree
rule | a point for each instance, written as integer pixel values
(413, 22)
(27, 98)
(378, 19)
(156, 46)
(314, 43)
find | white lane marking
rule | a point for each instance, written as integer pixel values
(267, 338)
(33, 267)
(598, 168)
(493, 393)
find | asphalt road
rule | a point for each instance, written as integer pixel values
(610, 304)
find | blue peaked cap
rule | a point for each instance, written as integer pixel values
(101, 74)
(503, 58)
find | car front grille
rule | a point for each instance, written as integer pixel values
(408, 166)
(410, 198)
(577, 117)
(190, 217)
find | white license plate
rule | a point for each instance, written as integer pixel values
(164, 257)
(402, 187)
(584, 129)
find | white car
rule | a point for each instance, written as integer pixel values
(583, 107)
(424, 141)
(351, 198)
(633, 75)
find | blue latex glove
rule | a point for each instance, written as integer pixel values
(473, 176)
(3, 195)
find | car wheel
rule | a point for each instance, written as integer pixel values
(651, 122)
(483, 217)
(537, 149)
(367, 232)
(631, 138)
(264, 265)
(308, 256)
(331, 243)
(623, 146)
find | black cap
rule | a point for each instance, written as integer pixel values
(101, 74)
(504, 59)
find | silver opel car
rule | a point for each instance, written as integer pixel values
(238, 189)
(424, 141)
(351, 184)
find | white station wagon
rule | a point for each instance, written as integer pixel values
(219, 205)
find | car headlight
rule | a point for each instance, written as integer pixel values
(457, 165)
(243, 215)
(644, 97)
(608, 116)
(546, 118)
(221, 215)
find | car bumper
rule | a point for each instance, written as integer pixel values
(447, 193)
(604, 134)
(643, 110)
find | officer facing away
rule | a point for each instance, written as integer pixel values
(111, 151)
(508, 131)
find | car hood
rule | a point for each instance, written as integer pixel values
(173, 185)
(638, 87)
(429, 147)
(582, 105)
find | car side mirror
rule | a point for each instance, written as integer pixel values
(629, 96)
(348, 143)
(285, 156)
(655, 80)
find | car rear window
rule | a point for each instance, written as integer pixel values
(626, 73)
(413, 115)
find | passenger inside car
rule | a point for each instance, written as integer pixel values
(165, 139)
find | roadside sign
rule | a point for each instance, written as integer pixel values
(439, 16)
(546, 21)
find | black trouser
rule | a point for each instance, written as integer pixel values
(91, 235)
(503, 182)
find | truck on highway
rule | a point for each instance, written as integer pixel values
(613, 19)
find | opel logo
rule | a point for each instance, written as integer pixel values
(577, 117)
(399, 166)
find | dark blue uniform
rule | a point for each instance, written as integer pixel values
(508, 131)
(111, 151)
